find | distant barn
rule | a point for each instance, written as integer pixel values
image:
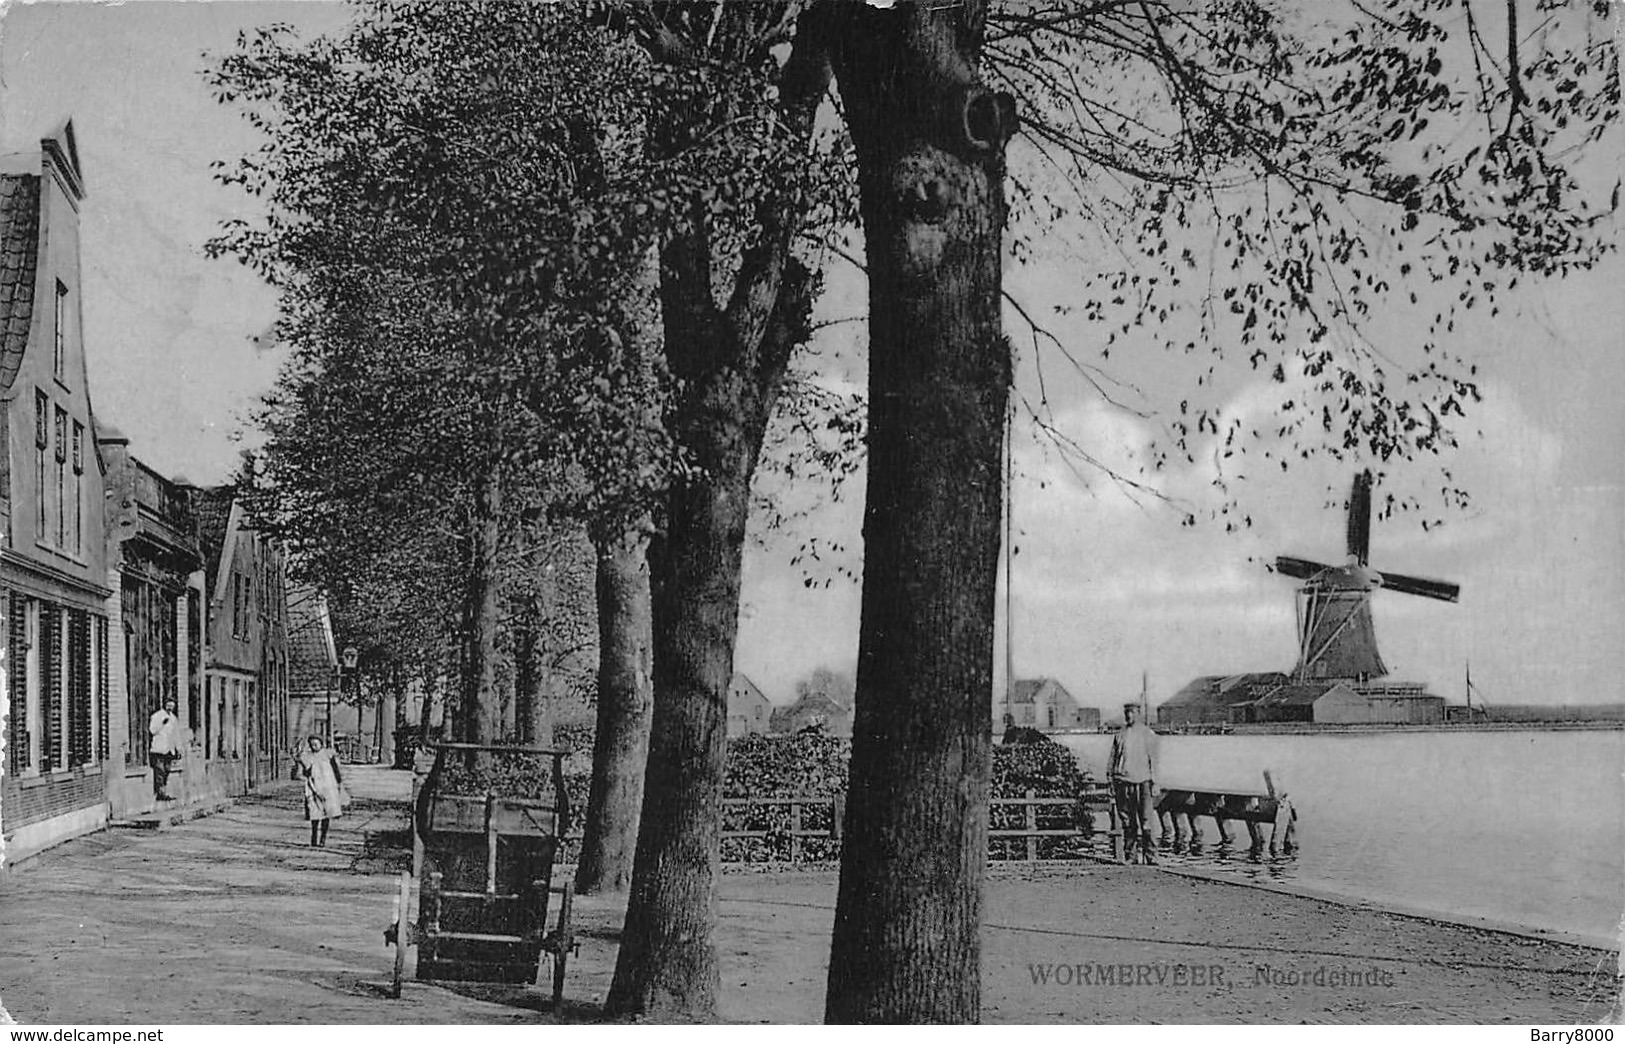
(1044, 703)
(1217, 699)
(812, 710)
(748, 708)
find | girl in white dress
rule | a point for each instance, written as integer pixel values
(324, 800)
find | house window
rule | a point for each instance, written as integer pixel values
(78, 488)
(42, 441)
(61, 477)
(59, 353)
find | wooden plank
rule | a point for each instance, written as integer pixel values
(483, 937)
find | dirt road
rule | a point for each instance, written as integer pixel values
(234, 919)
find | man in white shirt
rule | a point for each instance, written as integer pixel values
(165, 729)
(1133, 769)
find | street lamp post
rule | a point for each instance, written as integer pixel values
(349, 659)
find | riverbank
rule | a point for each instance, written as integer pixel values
(1305, 728)
(233, 919)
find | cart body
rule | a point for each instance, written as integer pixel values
(483, 868)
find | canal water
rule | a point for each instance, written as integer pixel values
(1526, 827)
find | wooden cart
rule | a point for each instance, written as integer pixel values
(482, 864)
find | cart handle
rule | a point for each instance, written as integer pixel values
(563, 810)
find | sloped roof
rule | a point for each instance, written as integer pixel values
(311, 656)
(1297, 694)
(811, 703)
(1026, 690)
(1204, 689)
(741, 685)
(1225, 690)
(212, 509)
(19, 260)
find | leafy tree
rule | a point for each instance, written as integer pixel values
(738, 107)
(828, 683)
(1328, 167)
(454, 289)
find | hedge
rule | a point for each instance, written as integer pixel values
(807, 764)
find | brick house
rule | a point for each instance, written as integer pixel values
(53, 565)
(245, 737)
(156, 573)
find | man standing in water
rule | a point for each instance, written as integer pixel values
(1132, 768)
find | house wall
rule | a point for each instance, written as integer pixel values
(749, 712)
(53, 564)
(1343, 706)
(747, 718)
(245, 684)
(1193, 713)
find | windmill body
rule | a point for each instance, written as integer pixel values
(1336, 638)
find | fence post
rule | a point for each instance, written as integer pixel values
(837, 816)
(1032, 827)
(795, 831)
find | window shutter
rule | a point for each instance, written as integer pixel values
(17, 667)
(50, 675)
(103, 752)
(79, 714)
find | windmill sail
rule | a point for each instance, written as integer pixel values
(1359, 520)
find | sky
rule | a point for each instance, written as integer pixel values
(1106, 588)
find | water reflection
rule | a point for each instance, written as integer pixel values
(1238, 861)
(1518, 826)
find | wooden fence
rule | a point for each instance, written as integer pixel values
(828, 813)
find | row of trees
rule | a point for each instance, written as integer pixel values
(544, 269)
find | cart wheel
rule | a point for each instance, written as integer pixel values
(403, 931)
(566, 943)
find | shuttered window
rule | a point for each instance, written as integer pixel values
(81, 734)
(50, 687)
(18, 743)
(102, 749)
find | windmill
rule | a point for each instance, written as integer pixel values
(1335, 635)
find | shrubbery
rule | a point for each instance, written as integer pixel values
(808, 764)
(1047, 769)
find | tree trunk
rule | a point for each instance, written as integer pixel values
(480, 713)
(432, 672)
(398, 687)
(667, 963)
(533, 715)
(906, 945)
(730, 363)
(625, 701)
